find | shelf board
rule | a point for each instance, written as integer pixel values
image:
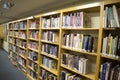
(10, 29)
(22, 56)
(109, 57)
(22, 38)
(15, 53)
(33, 60)
(11, 36)
(15, 29)
(15, 36)
(52, 71)
(76, 50)
(33, 39)
(22, 29)
(33, 28)
(22, 65)
(22, 71)
(49, 55)
(21, 47)
(33, 49)
(32, 69)
(30, 77)
(49, 42)
(111, 29)
(80, 29)
(50, 28)
(10, 42)
(106, 2)
(89, 75)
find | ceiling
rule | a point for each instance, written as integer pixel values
(25, 8)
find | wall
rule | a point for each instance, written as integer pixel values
(5, 43)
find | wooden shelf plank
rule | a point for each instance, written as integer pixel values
(50, 28)
(76, 50)
(33, 60)
(80, 28)
(49, 55)
(110, 57)
(33, 49)
(49, 42)
(55, 72)
(89, 75)
(33, 39)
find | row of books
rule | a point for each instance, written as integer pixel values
(45, 75)
(22, 52)
(49, 63)
(52, 22)
(34, 35)
(111, 46)
(22, 43)
(76, 20)
(50, 36)
(50, 49)
(10, 46)
(69, 76)
(22, 61)
(32, 74)
(15, 56)
(22, 34)
(20, 25)
(33, 45)
(10, 39)
(33, 55)
(111, 17)
(15, 49)
(21, 68)
(16, 42)
(16, 33)
(33, 65)
(109, 71)
(34, 24)
(78, 63)
(81, 42)
(10, 33)
(10, 26)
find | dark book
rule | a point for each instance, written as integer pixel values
(63, 75)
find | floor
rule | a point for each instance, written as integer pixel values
(7, 70)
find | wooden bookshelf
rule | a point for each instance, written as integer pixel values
(40, 29)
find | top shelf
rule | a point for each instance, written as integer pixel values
(80, 28)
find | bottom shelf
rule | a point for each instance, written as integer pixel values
(29, 77)
(89, 75)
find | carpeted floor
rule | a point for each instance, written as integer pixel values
(7, 70)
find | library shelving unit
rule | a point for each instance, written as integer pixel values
(77, 42)
(80, 41)
(110, 50)
(33, 48)
(20, 45)
(50, 45)
(10, 42)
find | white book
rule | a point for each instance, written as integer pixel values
(116, 15)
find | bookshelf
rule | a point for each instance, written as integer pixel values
(50, 47)
(66, 43)
(33, 48)
(110, 41)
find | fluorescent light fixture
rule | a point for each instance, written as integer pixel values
(50, 13)
(7, 5)
(31, 17)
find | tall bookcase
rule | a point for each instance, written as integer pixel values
(109, 58)
(69, 43)
(50, 45)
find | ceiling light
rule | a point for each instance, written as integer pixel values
(7, 5)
